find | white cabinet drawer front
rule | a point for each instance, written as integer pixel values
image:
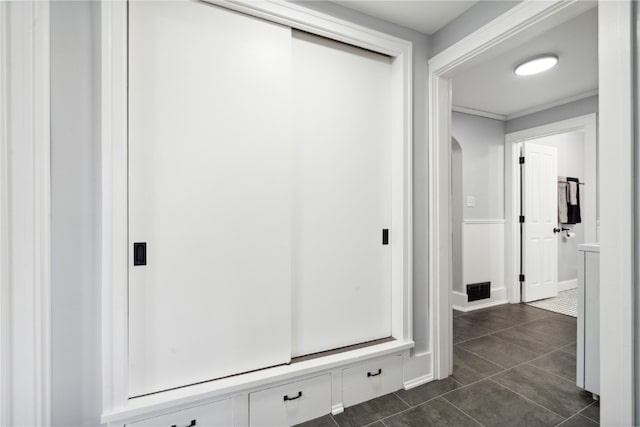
(217, 414)
(292, 403)
(371, 379)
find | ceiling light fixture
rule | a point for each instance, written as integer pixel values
(536, 65)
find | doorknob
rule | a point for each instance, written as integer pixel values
(556, 230)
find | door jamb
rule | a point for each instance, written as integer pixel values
(513, 142)
(615, 45)
(514, 24)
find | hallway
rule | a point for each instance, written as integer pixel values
(513, 365)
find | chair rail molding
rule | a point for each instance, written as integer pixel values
(25, 279)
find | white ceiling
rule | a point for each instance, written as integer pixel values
(493, 87)
(426, 16)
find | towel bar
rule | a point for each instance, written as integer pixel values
(566, 182)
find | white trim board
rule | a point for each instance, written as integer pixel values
(616, 50)
(523, 20)
(479, 113)
(513, 141)
(114, 175)
(616, 171)
(565, 285)
(528, 111)
(25, 224)
(460, 302)
(417, 370)
(483, 221)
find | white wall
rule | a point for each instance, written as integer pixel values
(475, 17)
(482, 142)
(75, 182)
(566, 111)
(570, 147)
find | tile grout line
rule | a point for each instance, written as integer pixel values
(455, 406)
(526, 398)
(586, 416)
(522, 325)
(398, 413)
(492, 375)
(519, 364)
(421, 404)
(519, 346)
(546, 372)
(563, 343)
(372, 423)
(455, 380)
(542, 333)
(564, 421)
(504, 368)
(552, 373)
(484, 335)
(403, 401)
(566, 351)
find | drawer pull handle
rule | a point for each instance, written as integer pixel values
(369, 374)
(191, 424)
(293, 398)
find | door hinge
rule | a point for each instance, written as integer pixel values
(521, 277)
(522, 160)
(521, 219)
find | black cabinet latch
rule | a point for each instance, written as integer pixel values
(385, 236)
(140, 253)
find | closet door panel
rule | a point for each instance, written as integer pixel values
(341, 269)
(209, 192)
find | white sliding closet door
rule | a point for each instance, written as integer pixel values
(209, 192)
(342, 116)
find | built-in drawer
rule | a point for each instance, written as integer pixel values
(216, 414)
(371, 379)
(291, 403)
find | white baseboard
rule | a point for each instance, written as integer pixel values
(418, 370)
(565, 285)
(337, 409)
(460, 303)
(415, 382)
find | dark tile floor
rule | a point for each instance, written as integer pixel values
(513, 365)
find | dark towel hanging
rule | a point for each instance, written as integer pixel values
(573, 211)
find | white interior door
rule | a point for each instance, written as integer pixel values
(209, 192)
(540, 209)
(342, 271)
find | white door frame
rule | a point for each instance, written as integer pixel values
(512, 143)
(616, 171)
(25, 215)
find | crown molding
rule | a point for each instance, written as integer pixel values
(548, 105)
(479, 113)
